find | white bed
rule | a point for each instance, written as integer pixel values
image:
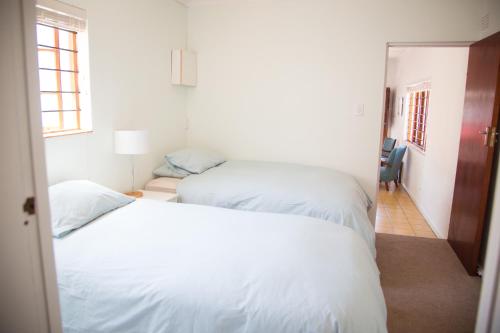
(283, 188)
(153, 266)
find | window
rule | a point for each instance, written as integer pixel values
(418, 105)
(62, 88)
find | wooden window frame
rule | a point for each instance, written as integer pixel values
(418, 108)
(61, 130)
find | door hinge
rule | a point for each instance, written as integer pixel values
(493, 137)
(29, 206)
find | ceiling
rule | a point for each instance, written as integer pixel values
(194, 2)
(197, 2)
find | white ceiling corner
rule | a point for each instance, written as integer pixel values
(396, 52)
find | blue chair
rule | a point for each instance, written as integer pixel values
(390, 170)
(388, 146)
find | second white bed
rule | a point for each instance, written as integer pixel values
(283, 188)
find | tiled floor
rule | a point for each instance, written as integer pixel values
(398, 215)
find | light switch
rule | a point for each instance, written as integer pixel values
(359, 111)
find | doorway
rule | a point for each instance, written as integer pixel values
(424, 95)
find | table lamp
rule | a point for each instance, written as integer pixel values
(132, 142)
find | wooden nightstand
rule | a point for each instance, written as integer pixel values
(162, 196)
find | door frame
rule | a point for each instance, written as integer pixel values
(488, 314)
(382, 119)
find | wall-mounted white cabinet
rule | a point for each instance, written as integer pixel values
(184, 68)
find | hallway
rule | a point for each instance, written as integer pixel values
(398, 215)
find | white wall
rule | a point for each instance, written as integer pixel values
(279, 80)
(429, 176)
(130, 44)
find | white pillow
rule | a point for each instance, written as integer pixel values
(195, 160)
(169, 170)
(77, 202)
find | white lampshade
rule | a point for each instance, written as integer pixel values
(131, 142)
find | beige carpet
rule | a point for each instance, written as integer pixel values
(426, 288)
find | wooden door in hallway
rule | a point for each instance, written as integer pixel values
(387, 106)
(476, 152)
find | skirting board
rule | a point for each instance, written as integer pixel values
(424, 214)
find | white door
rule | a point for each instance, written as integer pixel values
(28, 297)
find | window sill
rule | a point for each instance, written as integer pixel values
(416, 148)
(65, 133)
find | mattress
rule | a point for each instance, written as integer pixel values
(153, 266)
(283, 188)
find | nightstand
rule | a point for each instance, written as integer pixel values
(161, 196)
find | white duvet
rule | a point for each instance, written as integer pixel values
(164, 267)
(283, 188)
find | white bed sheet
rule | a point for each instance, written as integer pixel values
(283, 188)
(153, 266)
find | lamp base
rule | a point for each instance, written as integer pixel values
(136, 194)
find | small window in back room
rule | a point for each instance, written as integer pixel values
(63, 69)
(417, 106)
